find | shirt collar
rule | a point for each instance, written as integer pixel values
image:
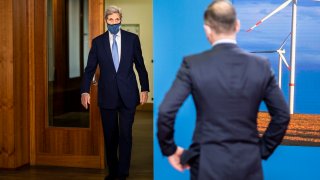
(225, 41)
(118, 34)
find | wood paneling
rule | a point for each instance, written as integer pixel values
(78, 147)
(96, 27)
(14, 63)
(96, 21)
(70, 161)
(6, 90)
(24, 134)
(40, 75)
(32, 83)
(141, 163)
(60, 55)
(20, 81)
(95, 114)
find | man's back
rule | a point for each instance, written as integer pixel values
(227, 86)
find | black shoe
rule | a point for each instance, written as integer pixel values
(110, 177)
(122, 177)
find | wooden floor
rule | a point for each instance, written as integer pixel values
(141, 163)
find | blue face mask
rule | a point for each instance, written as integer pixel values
(114, 28)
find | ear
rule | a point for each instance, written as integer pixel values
(238, 25)
(207, 30)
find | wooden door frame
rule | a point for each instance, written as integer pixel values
(37, 24)
(96, 27)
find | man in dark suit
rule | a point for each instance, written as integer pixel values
(116, 51)
(227, 85)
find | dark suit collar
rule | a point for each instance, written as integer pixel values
(224, 46)
(123, 44)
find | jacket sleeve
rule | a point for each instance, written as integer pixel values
(90, 69)
(173, 100)
(139, 64)
(280, 117)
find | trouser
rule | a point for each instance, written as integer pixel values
(194, 168)
(117, 128)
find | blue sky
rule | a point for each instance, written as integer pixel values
(185, 28)
(270, 34)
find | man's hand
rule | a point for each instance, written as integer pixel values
(85, 100)
(143, 97)
(174, 160)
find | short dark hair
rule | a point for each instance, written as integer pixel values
(221, 16)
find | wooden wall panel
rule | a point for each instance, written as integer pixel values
(20, 81)
(40, 78)
(23, 91)
(6, 82)
(96, 27)
(32, 82)
(60, 54)
(77, 147)
(14, 134)
(96, 14)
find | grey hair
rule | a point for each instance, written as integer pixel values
(112, 9)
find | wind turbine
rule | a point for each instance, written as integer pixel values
(281, 53)
(293, 45)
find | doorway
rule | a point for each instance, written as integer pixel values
(63, 133)
(67, 51)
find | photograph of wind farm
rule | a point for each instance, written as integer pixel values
(284, 32)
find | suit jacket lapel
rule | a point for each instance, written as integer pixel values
(106, 44)
(123, 43)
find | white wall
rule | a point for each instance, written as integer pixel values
(140, 12)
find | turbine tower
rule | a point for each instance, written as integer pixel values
(281, 53)
(293, 46)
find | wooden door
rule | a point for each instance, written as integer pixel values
(62, 146)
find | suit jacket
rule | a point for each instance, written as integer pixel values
(111, 84)
(227, 86)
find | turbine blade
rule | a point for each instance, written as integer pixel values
(285, 41)
(284, 60)
(272, 51)
(269, 15)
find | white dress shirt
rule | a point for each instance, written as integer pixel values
(118, 39)
(223, 41)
